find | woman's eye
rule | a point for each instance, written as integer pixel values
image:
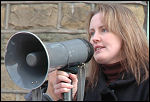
(92, 33)
(104, 30)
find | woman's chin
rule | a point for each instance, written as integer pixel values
(100, 60)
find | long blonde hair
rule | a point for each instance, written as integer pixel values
(122, 22)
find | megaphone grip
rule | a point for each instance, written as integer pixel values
(68, 96)
(73, 70)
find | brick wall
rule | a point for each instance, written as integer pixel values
(50, 21)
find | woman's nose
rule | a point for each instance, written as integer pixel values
(96, 38)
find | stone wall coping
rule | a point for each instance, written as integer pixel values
(27, 2)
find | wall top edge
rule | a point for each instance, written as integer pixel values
(35, 2)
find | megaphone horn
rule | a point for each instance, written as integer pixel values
(28, 60)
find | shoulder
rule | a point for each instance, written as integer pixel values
(28, 96)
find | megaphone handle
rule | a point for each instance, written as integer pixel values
(68, 95)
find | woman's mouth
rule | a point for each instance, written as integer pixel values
(98, 48)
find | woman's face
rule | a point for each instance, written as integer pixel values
(106, 44)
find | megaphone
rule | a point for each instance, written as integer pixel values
(28, 60)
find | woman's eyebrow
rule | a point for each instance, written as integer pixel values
(102, 26)
(98, 27)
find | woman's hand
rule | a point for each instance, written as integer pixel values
(63, 83)
(51, 80)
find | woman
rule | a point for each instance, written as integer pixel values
(119, 69)
(120, 66)
(123, 58)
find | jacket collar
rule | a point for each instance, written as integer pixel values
(120, 83)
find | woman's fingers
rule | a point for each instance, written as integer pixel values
(62, 73)
(61, 78)
(63, 85)
(62, 88)
(73, 77)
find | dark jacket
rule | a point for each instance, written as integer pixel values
(45, 97)
(120, 90)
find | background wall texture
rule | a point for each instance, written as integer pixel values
(50, 21)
